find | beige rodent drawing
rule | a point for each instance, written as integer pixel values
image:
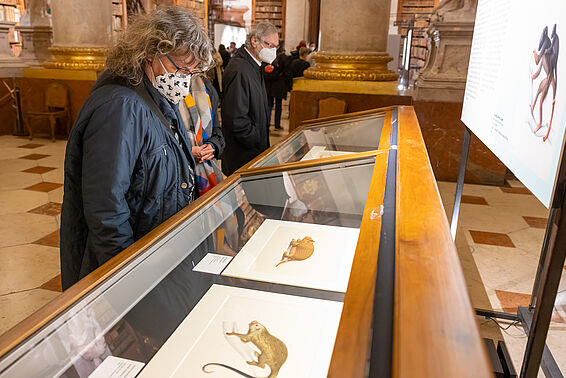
(298, 250)
(272, 351)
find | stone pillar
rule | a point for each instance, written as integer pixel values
(449, 39)
(7, 58)
(353, 42)
(36, 33)
(296, 22)
(351, 65)
(82, 33)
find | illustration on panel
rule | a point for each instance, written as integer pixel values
(545, 57)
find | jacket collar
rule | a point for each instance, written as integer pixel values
(258, 62)
(242, 53)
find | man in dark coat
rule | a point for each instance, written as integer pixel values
(245, 113)
(128, 164)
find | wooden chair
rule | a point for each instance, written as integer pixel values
(57, 105)
(331, 106)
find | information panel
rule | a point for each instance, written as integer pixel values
(514, 99)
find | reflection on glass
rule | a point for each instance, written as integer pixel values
(330, 139)
(134, 312)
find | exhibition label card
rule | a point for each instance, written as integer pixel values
(213, 263)
(116, 367)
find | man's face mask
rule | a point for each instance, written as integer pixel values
(267, 54)
(173, 86)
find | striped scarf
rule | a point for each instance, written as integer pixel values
(198, 118)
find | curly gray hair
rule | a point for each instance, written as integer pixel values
(260, 31)
(168, 30)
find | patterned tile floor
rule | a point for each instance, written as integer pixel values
(503, 226)
(31, 192)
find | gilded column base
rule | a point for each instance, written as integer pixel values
(354, 67)
(77, 58)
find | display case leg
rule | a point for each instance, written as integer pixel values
(547, 281)
(548, 363)
(460, 182)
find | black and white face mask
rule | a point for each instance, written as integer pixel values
(174, 87)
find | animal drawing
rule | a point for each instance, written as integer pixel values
(546, 57)
(298, 250)
(272, 351)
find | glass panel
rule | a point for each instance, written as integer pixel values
(134, 312)
(329, 139)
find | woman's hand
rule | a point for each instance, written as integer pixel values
(203, 153)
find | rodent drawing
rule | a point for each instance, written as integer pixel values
(273, 352)
(298, 250)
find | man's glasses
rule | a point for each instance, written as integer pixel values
(182, 70)
(270, 45)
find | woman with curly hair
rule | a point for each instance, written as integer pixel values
(129, 162)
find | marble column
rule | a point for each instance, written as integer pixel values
(353, 41)
(449, 39)
(82, 33)
(7, 58)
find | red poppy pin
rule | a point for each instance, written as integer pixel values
(269, 68)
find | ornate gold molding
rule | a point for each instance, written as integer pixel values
(362, 67)
(77, 58)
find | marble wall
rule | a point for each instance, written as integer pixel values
(443, 133)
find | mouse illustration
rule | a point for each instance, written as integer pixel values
(273, 351)
(298, 250)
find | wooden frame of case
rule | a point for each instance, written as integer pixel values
(435, 332)
(253, 166)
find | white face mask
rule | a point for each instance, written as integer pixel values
(174, 87)
(268, 55)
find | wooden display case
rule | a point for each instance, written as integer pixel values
(386, 191)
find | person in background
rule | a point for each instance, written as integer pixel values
(245, 112)
(295, 53)
(225, 55)
(128, 163)
(277, 84)
(214, 74)
(232, 49)
(312, 49)
(298, 66)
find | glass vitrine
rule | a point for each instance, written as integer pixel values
(339, 136)
(292, 248)
(275, 248)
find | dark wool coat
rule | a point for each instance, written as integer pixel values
(245, 118)
(125, 173)
(277, 82)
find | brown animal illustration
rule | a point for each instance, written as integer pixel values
(273, 352)
(298, 250)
